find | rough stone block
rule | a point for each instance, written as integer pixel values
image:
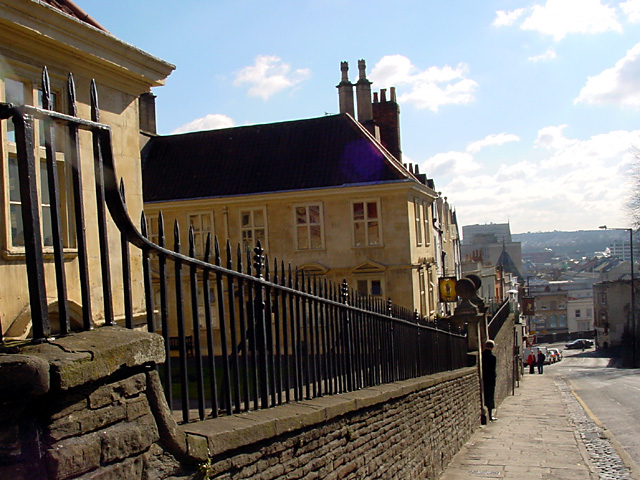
(86, 421)
(126, 439)
(93, 355)
(73, 456)
(131, 468)
(22, 376)
(114, 392)
(137, 407)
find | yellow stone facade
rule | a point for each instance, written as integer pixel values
(32, 35)
(403, 267)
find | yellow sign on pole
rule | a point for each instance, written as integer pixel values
(447, 287)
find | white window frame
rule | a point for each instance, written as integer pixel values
(427, 223)
(31, 95)
(417, 212)
(365, 221)
(253, 228)
(308, 225)
(369, 283)
(199, 232)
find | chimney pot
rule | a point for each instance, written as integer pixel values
(375, 97)
(345, 91)
(393, 94)
(363, 95)
(383, 95)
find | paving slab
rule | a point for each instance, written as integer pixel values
(533, 438)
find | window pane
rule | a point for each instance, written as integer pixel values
(316, 236)
(258, 218)
(194, 220)
(14, 180)
(44, 185)
(358, 211)
(260, 236)
(246, 219)
(14, 93)
(303, 239)
(47, 229)
(358, 231)
(376, 288)
(17, 230)
(314, 214)
(372, 210)
(301, 215)
(373, 233)
(206, 222)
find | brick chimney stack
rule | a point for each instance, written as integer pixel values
(345, 91)
(386, 115)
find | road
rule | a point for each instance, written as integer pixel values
(611, 394)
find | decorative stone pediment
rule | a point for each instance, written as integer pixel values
(369, 267)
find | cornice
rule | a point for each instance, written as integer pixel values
(33, 24)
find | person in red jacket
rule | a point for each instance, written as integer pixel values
(531, 361)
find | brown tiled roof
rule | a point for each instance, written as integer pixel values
(320, 152)
(70, 8)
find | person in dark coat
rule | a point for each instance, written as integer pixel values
(541, 359)
(489, 377)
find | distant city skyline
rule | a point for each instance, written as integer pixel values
(524, 112)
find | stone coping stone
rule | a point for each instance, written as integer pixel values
(227, 433)
(86, 357)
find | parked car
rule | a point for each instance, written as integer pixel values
(556, 356)
(579, 343)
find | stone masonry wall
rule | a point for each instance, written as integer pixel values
(409, 430)
(504, 355)
(78, 407)
(90, 407)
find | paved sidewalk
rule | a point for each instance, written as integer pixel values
(533, 438)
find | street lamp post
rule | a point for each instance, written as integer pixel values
(633, 297)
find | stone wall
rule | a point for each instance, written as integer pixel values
(408, 429)
(505, 342)
(79, 407)
(90, 406)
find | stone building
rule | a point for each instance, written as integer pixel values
(65, 39)
(612, 309)
(325, 194)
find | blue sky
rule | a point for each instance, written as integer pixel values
(521, 111)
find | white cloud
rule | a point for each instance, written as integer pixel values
(576, 182)
(550, 54)
(270, 75)
(552, 138)
(428, 89)
(559, 18)
(619, 85)
(212, 121)
(450, 163)
(631, 8)
(506, 19)
(490, 140)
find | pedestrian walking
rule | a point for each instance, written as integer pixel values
(531, 361)
(489, 377)
(541, 359)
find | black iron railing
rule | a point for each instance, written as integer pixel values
(262, 334)
(498, 318)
